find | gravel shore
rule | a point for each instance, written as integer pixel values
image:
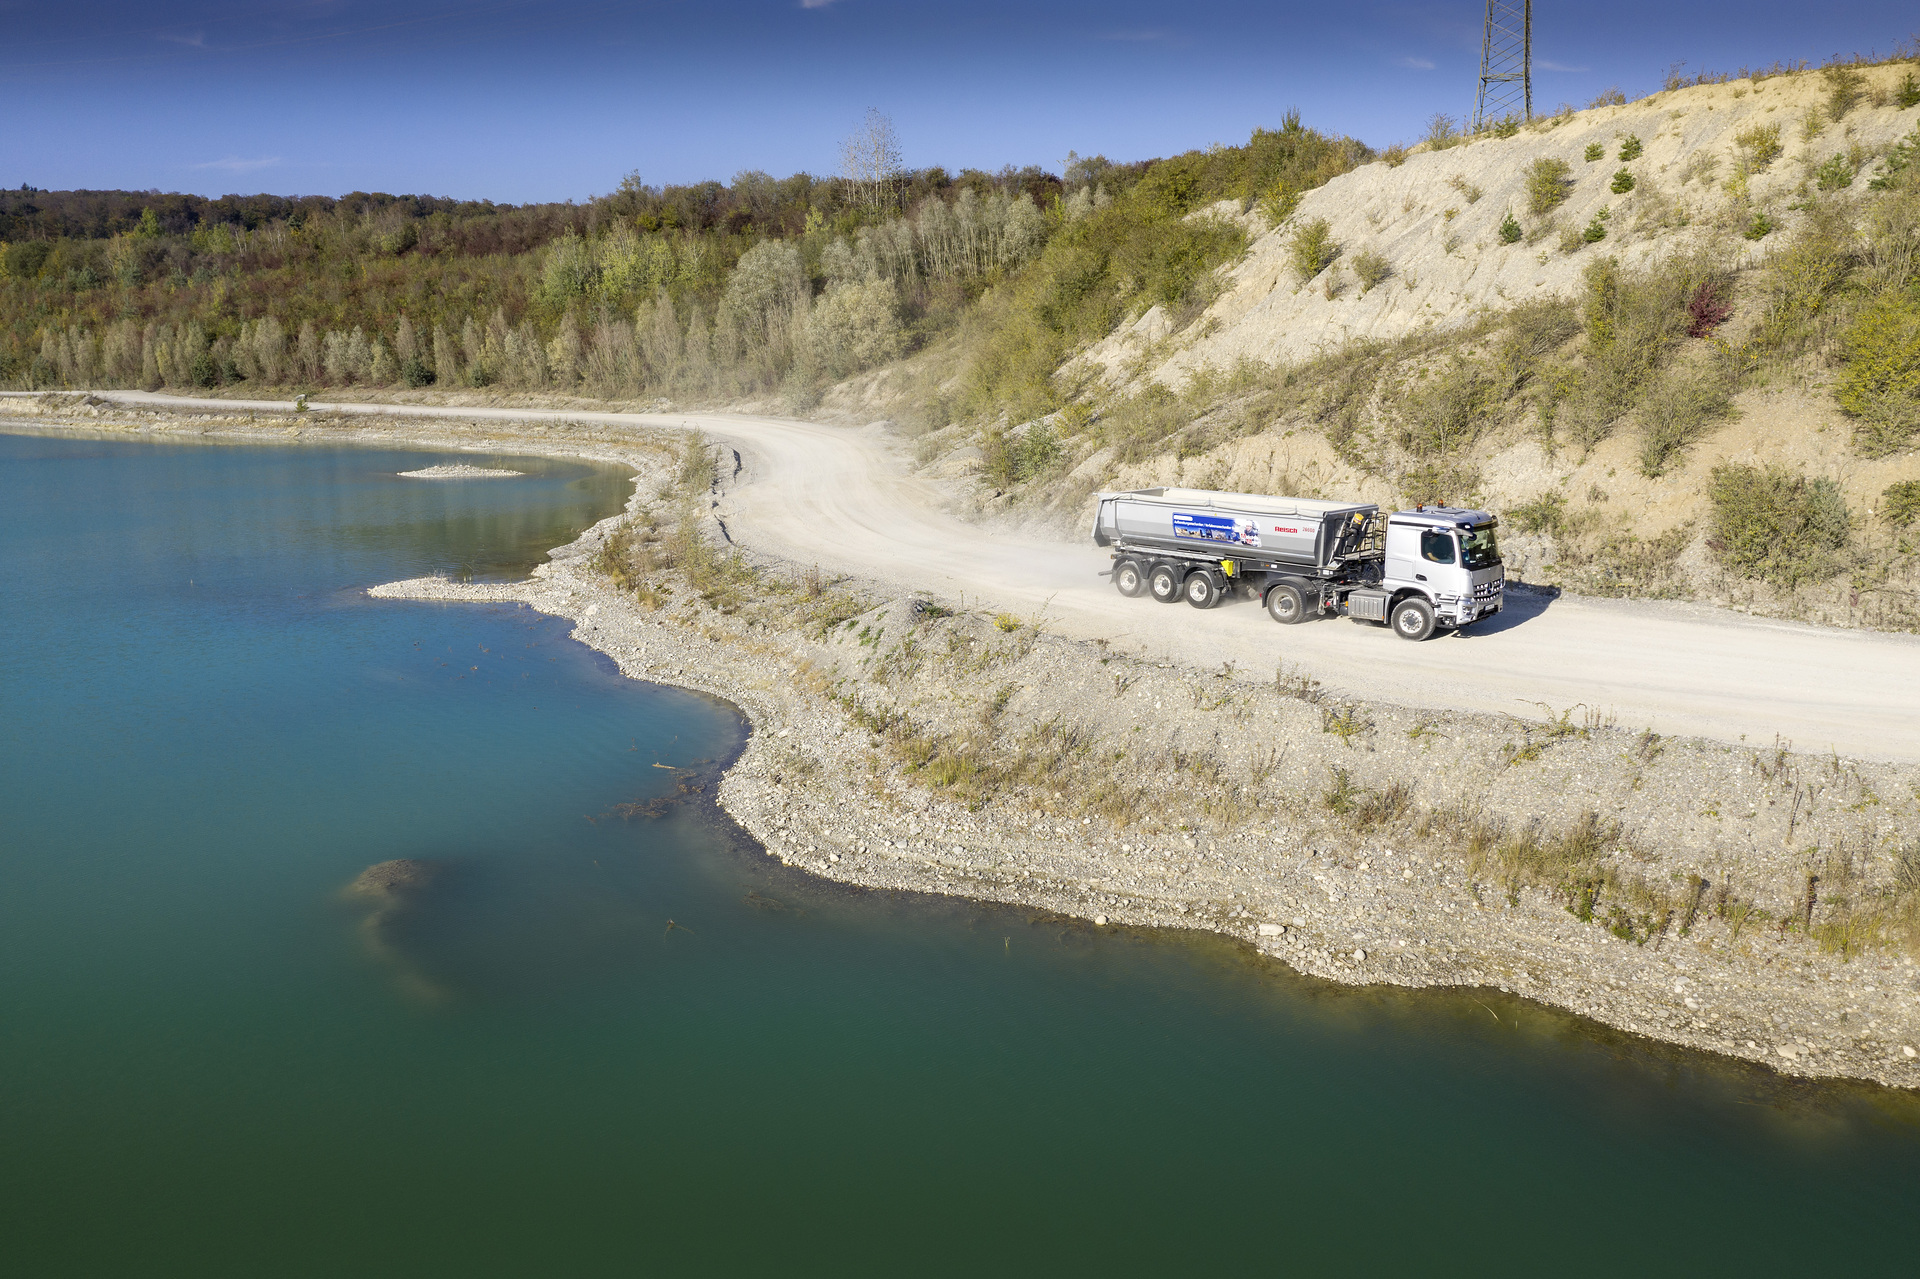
(1296, 878)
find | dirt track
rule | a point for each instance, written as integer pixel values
(845, 498)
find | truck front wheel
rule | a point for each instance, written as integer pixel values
(1285, 605)
(1164, 582)
(1201, 591)
(1413, 619)
(1128, 579)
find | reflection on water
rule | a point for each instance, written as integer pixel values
(597, 1031)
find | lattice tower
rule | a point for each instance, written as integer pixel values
(1506, 64)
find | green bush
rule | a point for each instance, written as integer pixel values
(1759, 146)
(416, 372)
(1687, 402)
(1759, 228)
(1547, 181)
(1509, 229)
(1845, 87)
(1901, 502)
(1311, 248)
(1908, 94)
(1595, 152)
(1880, 384)
(1630, 148)
(1899, 162)
(1622, 182)
(1835, 173)
(1776, 526)
(1371, 267)
(1596, 230)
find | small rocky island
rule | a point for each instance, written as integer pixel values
(458, 471)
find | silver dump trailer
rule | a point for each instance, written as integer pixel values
(1418, 571)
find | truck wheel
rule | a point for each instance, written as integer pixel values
(1413, 619)
(1285, 605)
(1128, 579)
(1164, 582)
(1201, 592)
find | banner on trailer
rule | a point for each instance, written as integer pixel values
(1216, 528)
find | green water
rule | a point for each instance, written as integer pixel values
(206, 731)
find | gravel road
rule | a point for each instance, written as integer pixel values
(847, 499)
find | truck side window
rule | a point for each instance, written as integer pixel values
(1436, 545)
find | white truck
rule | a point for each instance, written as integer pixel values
(1418, 571)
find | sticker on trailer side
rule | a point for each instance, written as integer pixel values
(1216, 528)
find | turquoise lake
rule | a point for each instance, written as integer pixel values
(207, 730)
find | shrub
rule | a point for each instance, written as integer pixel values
(1544, 514)
(1908, 94)
(1509, 229)
(1595, 152)
(1845, 86)
(1759, 227)
(1776, 526)
(1630, 149)
(1622, 182)
(1547, 180)
(1442, 132)
(1688, 401)
(1311, 249)
(1466, 188)
(1759, 146)
(1596, 230)
(1880, 384)
(1371, 267)
(1706, 310)
(1901, 503)
(1609, 98)
(1899, 162)
(1835, 173)
(416, 372)
(1395, 155)
(1507, 127)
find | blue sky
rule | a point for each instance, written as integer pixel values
(525, 100)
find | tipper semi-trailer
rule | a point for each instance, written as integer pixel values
(1418, 571)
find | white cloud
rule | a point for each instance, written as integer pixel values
(1414, 64)
(234, 164)
(1545, 65)
(815, 4)
(1141, 36)
(198, 40)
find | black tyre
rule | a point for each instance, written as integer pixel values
(1164, 583)
(1413, 619)
(1286, 605)
(1201, 590)
(1129, 578)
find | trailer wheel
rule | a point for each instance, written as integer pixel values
(1413, 619)
(1164, 582)
(1128, 578)
(1201, 591)
(1285, 605)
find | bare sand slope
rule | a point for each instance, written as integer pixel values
(845, 499)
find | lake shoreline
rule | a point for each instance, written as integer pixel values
(805, 789)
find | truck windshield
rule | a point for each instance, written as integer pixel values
(1478, 549)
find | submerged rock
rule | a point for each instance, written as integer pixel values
(397, 878)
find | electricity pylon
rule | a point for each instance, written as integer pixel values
(1506, 64)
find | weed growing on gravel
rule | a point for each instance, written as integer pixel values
(1345, 723)
(1297, 684)
(1548, 181)
(1312, 249)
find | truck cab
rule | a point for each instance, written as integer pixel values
(1448, 555)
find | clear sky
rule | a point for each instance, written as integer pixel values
(526, 100)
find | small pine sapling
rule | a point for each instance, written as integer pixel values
(1759, 228)
(1596, 230)
(1622, 182)
(1908, 94)
(1595, 152)
(1631, 148)
(1509, 229)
